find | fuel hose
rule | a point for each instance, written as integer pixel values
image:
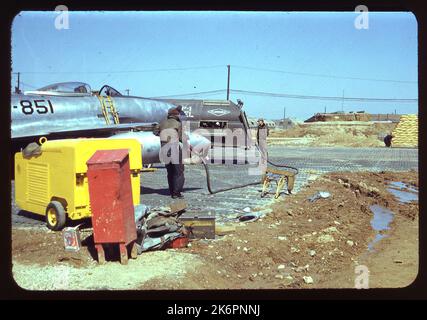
(208, 179)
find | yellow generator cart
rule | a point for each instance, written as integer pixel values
(54, 183)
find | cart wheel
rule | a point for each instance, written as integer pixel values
(55, 216)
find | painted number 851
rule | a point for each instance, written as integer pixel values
(39, 106)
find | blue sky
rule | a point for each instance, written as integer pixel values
(126, 43)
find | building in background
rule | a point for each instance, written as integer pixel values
(340, 116)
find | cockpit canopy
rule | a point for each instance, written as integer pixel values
(67, 87)
(74, 89)
(106, 90)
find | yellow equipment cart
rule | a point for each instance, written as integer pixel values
(54, 184)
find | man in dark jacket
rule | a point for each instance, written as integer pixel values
(262, 131)
(387, 140)
(171, 137)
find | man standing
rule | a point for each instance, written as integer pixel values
(171, 137)
(387, 140)
(261, 137)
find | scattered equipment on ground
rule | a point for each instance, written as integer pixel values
(52, 182)
(180, 242)
(319, 195)
(280, 176)
(200, 226)
(72, 240)
(287, 174)
(110, 190)
(160, 228)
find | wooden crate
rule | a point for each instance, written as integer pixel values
(201, 225)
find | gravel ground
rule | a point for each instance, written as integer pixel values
(310, 161)
(300, 244)
(175, 265)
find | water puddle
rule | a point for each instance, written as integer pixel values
(403, 196)
(402, 186)
(380, 223)
(403, 192)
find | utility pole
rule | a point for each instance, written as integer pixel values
(342, 103)
(17, 89)
(284, 117)
(228, 82)
(325, 109)
(127, 91)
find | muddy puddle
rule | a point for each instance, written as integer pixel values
(382, 218)
(403, 192)
(380, 223)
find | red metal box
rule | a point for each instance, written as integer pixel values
(110, 193)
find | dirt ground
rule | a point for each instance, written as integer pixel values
(301, 244)
(364, 134)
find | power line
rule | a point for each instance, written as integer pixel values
(122, 71)
(192, 94)
(324, 75)
(294, 96)
(220, 66)
(280, 95)
(328, 98)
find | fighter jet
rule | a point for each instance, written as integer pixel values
(72, 110)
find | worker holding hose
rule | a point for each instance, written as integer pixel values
(171, 139)
(261, 137)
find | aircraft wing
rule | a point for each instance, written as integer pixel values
(136, 126)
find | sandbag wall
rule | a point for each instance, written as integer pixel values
(406, 132)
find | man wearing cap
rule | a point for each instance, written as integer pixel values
(261, 138)
(171, 137)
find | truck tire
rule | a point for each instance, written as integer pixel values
(55, 216)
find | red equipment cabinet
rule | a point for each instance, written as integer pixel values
(110, 193)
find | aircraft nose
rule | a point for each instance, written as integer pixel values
(199, 144)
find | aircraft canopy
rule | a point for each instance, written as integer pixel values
(68, 87)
